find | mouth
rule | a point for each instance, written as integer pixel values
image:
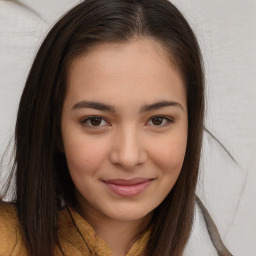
(129, 187)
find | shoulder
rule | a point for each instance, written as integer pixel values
(7, 209)
(10, 236)
(8, 217)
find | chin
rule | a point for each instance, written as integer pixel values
(129, 214)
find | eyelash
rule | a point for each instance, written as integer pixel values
(87, 121)
(167, 120)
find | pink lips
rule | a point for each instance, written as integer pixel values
(128, 188)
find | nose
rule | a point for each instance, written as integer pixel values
(127, 150)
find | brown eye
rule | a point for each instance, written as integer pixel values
(157, 120)
(95, 121)
(160, 121)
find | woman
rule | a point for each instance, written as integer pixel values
(108, 135)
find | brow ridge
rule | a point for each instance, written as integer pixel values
(93, 105)
(161, 104)
(104, 107)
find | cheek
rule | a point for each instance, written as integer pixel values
(169, 154)
(84, 156)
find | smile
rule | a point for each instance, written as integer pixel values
(128, 188)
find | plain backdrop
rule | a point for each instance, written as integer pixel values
(226, 30)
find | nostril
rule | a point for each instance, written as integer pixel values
(127, 150)
(128, 159)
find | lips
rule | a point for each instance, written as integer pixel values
(129, 187)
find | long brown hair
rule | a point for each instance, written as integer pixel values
(42, 176)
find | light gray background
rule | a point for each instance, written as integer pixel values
(226, 30)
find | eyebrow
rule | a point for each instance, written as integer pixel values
(109, 108)
(161, 104)
(93, 105)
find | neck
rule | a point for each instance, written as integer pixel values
(118, 234)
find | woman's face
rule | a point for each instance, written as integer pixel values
(124, 128)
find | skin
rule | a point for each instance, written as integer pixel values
(126, 141)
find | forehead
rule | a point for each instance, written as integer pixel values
(139, 66)
(109, 50)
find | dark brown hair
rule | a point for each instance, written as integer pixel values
(42, 176)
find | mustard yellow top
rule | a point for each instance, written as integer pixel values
(75, 240)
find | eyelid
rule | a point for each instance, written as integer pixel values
(168, 120)
(88, 118)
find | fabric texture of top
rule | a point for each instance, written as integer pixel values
(76, 236)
